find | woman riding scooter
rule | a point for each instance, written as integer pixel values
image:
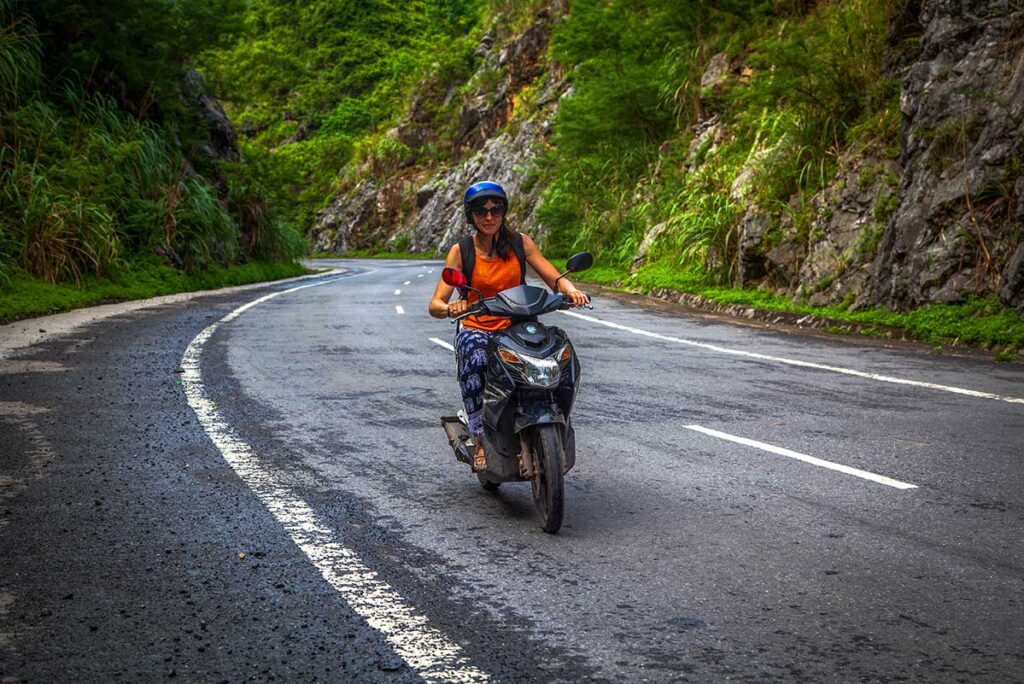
(495, 258)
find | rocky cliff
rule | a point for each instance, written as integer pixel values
(505, 116)
(935, 217)
(943, 219)
(957, 228)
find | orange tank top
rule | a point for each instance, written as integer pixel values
(491, 275)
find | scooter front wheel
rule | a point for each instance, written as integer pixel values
(548, 483)
(487, 484)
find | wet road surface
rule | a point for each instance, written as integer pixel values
(141, 537)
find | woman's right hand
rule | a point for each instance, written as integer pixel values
(457, 308)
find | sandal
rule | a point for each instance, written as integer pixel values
(479, 460)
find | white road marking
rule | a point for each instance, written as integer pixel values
(803, 364)
(856, 472)
(430, 653)
(407, 282)
(442, 343)
(419, 275)
(399, 309)
(398, 292)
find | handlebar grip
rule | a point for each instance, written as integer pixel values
(567, 303)
(474, 310)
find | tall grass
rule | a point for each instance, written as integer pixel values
(20, 51)
(85, 187)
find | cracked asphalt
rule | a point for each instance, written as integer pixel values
(130, 550)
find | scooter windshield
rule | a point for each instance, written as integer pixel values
(525, 300)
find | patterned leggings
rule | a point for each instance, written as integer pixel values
(471, 346)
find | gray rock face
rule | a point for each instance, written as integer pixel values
(1013, 279)
(845, 232)
(337, 224)
(957, 228)
(717, 72)
(504, 160)
(222, 143)
(423, 208)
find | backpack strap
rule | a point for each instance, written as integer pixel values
(520, 250)
(467, 251)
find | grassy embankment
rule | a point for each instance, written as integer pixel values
(374, 254)
(976, 323)
(26, 296)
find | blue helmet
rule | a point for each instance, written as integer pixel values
(480, 191)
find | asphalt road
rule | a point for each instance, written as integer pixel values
(274, 498)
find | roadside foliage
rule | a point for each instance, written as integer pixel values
(107, 169)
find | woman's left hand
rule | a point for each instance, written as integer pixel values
(577, 297)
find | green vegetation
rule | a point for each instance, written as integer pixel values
(26, 296)
(101, 161)
(978, 322)
(626, 158)
(105, 178)
(321, 85)
(374, 254)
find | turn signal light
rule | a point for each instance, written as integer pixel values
(566, 353)
(508, 356)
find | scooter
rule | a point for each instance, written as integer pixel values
(528, 434)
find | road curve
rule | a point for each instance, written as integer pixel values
(746, 504)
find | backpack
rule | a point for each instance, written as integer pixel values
(468, 252)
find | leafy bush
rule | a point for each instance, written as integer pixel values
(320, 85)
(85, 186)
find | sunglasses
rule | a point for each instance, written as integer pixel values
(481, 212)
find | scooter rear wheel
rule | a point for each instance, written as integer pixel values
(548, 483)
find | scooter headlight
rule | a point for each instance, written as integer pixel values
(540, 372)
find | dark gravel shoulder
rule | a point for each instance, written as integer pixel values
(122, 529)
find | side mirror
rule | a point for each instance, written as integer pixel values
(454, 277)
(580, 261)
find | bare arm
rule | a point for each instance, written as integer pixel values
(549, 273)
(439, 306)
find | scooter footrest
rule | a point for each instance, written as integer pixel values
(463, 454)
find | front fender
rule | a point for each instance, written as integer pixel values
(538, 414)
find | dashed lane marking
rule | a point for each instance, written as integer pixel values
(399, 309)
(431, 654)
(856, 472)
(803, 364)
(442, 343)
(407, 282)
(398, 292)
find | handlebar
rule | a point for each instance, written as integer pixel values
(473, 310)
(480, 307)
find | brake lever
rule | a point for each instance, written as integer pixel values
(472, 311)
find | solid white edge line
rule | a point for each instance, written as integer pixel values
(433, 656)
(442, 343)
(802, 364)
(856, 472)
(399, 309)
